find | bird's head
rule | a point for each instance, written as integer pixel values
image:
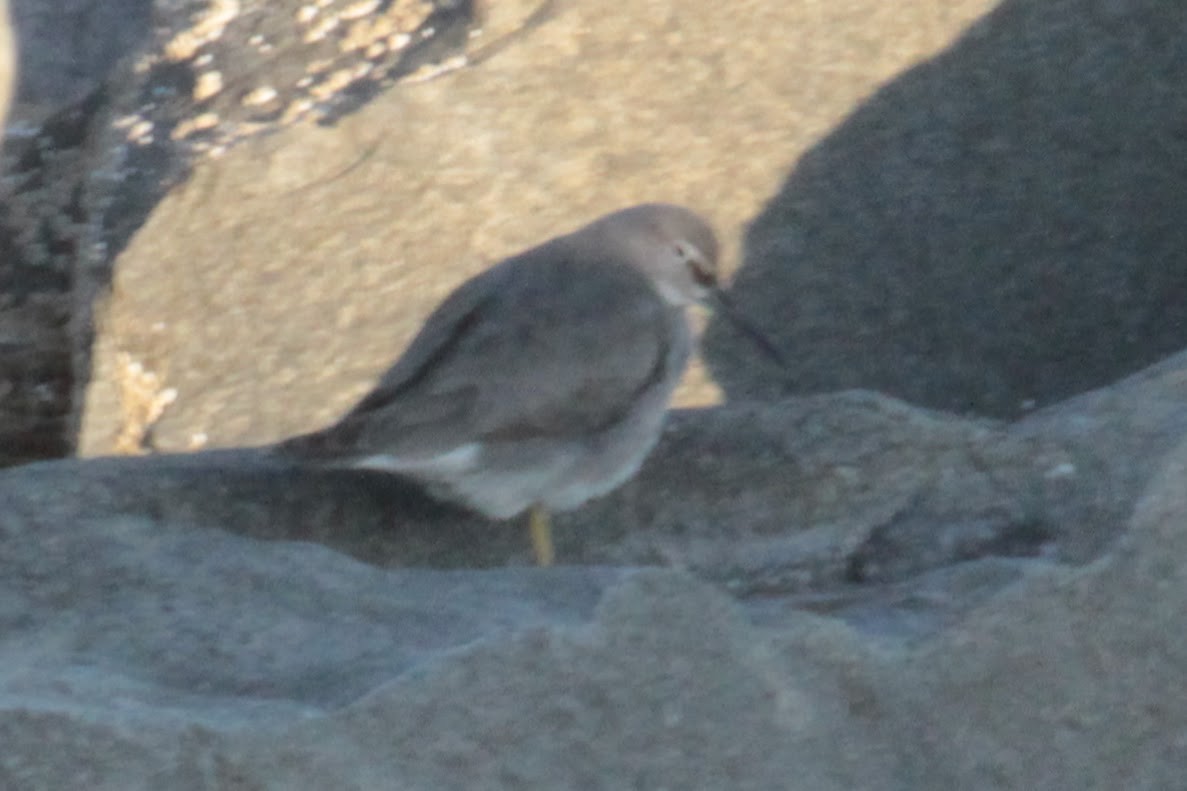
(672, 245)
(678, 251)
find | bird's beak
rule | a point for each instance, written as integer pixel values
(719, 302)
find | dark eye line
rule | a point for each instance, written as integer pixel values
(702, 276)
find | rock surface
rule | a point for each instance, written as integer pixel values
(7, 64)
(841, 591)
(995, 229)
(879, 605)
(117, 100)
(153, 650)
(401, 201)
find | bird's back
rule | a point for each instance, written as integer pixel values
(559, 340)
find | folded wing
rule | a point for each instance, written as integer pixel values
(521, 351)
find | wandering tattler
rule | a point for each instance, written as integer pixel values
(543, 381)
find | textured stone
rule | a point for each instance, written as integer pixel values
(7, 64)
(995, 229)
(117, 98)
(152, 654)
(1065, 682)
(585, 113)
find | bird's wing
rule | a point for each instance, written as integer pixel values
(551, 342)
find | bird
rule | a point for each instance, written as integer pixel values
(543, 381)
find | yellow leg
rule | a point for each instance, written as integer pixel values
(541, 527)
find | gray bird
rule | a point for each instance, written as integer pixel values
(543, 381)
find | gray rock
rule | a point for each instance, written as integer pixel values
(70, 47)
(1066, 682)
(117, 100)
(803, 497)
(144, 655)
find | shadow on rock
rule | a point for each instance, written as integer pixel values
(997, 229)
(116, 101)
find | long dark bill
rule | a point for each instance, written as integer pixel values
(723, 305)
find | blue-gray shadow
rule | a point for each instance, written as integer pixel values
(996, 229)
